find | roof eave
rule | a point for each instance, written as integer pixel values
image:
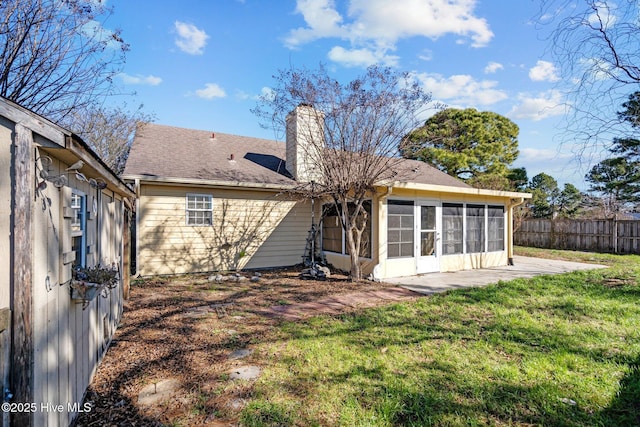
(159, 180)
(61, 139)
(458, 190)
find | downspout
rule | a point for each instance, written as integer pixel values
(99, 226)
(387, 194)
(136, 190)
(513, 203)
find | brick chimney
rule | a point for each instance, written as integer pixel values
(305, 143)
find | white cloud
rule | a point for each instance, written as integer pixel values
(210, 91)
(544, 71)
(392, 20)
(360, 57)
(544, 105)
(426, 55)
(377, 25)
(267, 93)
(191, 39)
(94, 30)
(597, 69)
(542, 155)
(603, 16)
(493, 67)
(243, 96)
(323, 21)
(138, 79)
(462, 89)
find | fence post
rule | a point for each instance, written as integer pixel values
(615, 234)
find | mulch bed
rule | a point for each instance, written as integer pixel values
(182, 330)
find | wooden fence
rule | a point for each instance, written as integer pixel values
(583, 235)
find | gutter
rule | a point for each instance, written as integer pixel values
(158, 180)
(458, 190)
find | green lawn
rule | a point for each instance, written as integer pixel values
(555, 350)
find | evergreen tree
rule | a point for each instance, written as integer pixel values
(545, 195)
(476, 146)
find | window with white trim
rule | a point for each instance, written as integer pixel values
(78, 227)
(452, 228)
(199, 209)
(475, 228)
(399, 229)
(495, 228)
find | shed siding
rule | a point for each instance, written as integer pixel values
(251, 229)
(56, 344)
(69, 341)
(6, 131)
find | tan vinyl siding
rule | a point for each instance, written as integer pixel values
(251, 229)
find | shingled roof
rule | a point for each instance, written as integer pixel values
(167, 152)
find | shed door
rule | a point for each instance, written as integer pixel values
(428, 258)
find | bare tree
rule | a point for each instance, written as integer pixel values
(55, 55)
(352, 137)
(109, 131)
(595, 43)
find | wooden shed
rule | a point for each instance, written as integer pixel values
(62, 210)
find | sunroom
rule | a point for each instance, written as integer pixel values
(419, 228)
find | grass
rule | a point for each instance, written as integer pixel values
(554, 350)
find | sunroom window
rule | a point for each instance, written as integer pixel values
(495, 228)
(452, 230)
(475, 228)
(333, 237)
(399, 229)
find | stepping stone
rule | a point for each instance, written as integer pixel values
(245, 373)
(240, 354)
(237, 404)
(158, 392)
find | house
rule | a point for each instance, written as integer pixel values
(60, 208)
(213, 201)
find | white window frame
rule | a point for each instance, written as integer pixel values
(446, 244)
(402, 202)
(465, 230)
(79, 221)
(504, 228)
(485, 231)
(196, 210)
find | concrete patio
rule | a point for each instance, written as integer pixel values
(523, 267)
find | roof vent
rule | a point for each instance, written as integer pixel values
(212, 137)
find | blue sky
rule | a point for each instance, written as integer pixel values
(201, 64)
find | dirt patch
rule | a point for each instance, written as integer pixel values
(186, 328)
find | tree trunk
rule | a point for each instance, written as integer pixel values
(354, 254)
